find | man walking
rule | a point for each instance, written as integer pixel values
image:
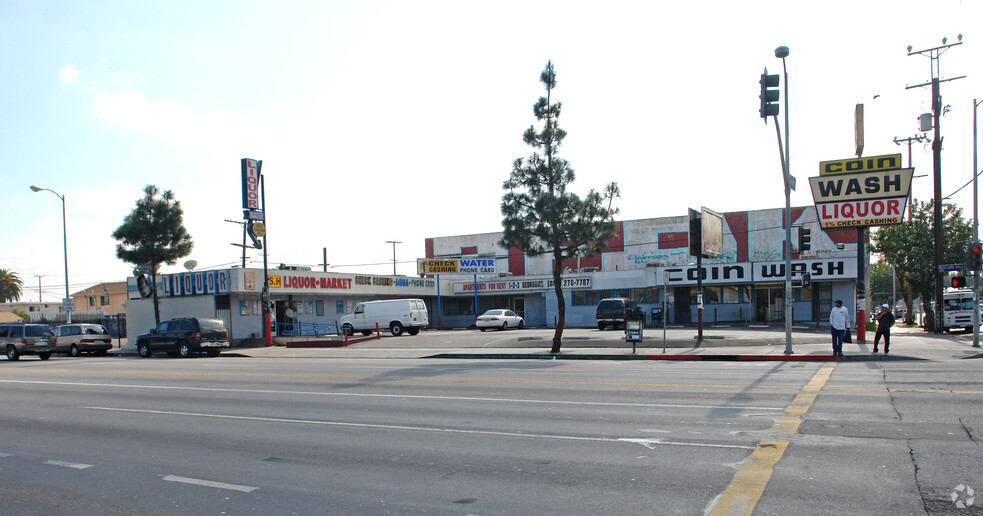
(839, 318)
(885, 320)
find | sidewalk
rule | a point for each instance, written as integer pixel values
(718, 344)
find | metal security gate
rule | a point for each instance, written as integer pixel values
(824, 300)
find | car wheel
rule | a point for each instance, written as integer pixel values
(505, 326)
(44, 356)
(348, 330)
(482, 329)
(144, 349)
(74, 350)
(413, 331)
(521, 323)
(12, 353)
(396, 329)
(600, 326)
(184, 351)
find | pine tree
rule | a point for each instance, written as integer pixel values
(540, 215)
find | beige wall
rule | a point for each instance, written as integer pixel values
(108, 297)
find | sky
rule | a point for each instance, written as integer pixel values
(397, 121)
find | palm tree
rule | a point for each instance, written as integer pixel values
(10, 286)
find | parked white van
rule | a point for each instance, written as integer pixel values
(396, 314)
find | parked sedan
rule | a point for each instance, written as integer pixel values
(76, 339)
(502, 319)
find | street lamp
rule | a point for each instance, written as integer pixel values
(64, 236)
(782, 53)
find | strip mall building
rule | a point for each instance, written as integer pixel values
(647, 261)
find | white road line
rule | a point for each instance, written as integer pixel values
(73, 465)
(403, 396)
(209, 483)
(2, 455)
(421, 428)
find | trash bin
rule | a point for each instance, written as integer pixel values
(657, 316)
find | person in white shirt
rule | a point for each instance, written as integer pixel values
(839, 318)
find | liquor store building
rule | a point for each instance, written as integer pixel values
(299, 298)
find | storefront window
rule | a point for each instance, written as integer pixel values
(622, 293)
(638, 295)
(652, 295)
(458, 306)
(578, 297)
(732, 294)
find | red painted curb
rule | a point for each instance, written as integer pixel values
(749, 358)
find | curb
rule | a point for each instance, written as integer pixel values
(548, 356)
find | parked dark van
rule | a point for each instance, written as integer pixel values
(27, 339)
(615, 311)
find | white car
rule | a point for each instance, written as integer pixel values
(502, 319)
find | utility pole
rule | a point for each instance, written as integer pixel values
(976, 238)
(393, 242)
(910, 140)
(933, 54)
(39, 276)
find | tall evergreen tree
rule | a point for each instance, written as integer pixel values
(540, 215)
(11, 286)
(153, 234)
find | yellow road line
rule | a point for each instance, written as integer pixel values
(750, 481)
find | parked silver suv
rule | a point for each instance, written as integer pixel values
(27, 339)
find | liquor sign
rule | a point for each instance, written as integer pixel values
(858, 193)
(251, 170)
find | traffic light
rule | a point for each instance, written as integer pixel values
(805, 239)
(975, 256)
(769, 97)
(959, 282)
(806, 280)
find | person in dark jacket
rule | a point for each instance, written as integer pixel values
(885, 320)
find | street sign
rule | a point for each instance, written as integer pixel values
(950, 267)
(68, 304)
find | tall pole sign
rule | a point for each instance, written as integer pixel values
(860, 193)
(254, 213)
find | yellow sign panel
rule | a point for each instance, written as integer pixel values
(437, 266)
(276, 281)
(856, 165)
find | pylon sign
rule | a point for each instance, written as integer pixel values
(861, 192)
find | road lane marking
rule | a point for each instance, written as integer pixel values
(400, 396)
(5, 455)
(73, 465)
(414, 379)
(209, 483)
(750, 481)
(422, 428)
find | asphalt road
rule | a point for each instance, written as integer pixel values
(238, 435)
